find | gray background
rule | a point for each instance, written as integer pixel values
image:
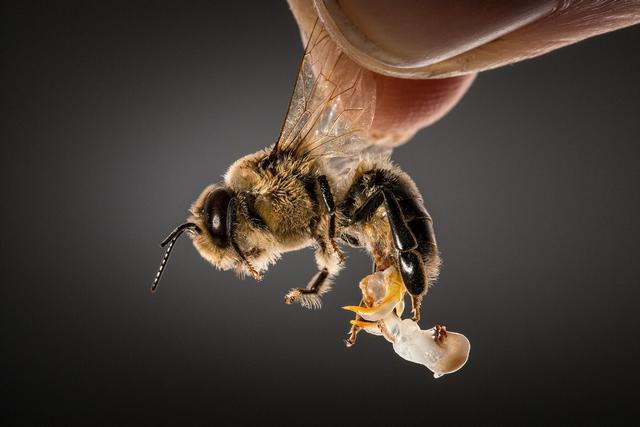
(116, 116)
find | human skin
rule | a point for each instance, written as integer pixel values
(426, 53)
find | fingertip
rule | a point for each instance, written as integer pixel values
(404, 106)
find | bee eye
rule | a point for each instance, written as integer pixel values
(215, 214)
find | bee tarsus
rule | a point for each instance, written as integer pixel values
(440, 333)
(310, 297)
(351, 340)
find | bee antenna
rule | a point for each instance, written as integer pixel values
(171, 240)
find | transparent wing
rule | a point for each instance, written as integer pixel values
(331, 108)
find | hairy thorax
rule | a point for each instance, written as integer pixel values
(280, 195)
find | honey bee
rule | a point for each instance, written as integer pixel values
(325, 182)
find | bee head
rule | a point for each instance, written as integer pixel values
(216, 228)
(216, 212)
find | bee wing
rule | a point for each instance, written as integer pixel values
(331, 108)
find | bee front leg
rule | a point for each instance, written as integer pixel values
(309, 297)
(321, 282)
(330, 206)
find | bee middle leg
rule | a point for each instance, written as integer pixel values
(350, 341)
(309, 297)
(330, 206)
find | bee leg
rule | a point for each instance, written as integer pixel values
(350, 341)
(330, 206)
(310, 296)
(403, 238)
(368, 208)
(232, 222)
(386, 332)
(416, 302)
(440, 334)
(422, 228)
(410, 261)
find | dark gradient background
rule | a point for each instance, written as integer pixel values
(116, 116)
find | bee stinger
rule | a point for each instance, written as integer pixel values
(325, 182)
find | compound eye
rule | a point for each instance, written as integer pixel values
(215, 211)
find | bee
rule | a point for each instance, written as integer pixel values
(325, 182)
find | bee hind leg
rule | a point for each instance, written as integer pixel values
(309, 297)
(410, 261)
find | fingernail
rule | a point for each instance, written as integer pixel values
(389, 37)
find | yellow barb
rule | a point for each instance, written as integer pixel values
(394, 293)
(363, 324)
